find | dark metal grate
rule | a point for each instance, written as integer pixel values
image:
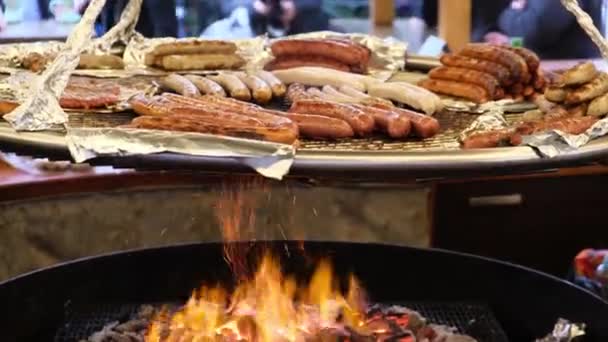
(474, 319)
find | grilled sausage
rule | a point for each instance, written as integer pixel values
(235, 87)
(567, 125)
(487, 139)
(599, 106)
(515, 63)
(191, 123)
(361, 122)
(500, 72)
(321, 127)
(396, 125)
(413, 96)
(206, 86)
(344, 52)
(555, 94)
(597, 87)
(289, 62)
(468, 91)
(531, 58)
(482, 79)
(423, 125)
(180, 85)
(580, 74)
(296, 92)
(200, 62)
(278, 88)
(318, 77)
(260, 90)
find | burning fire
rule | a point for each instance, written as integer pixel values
(268, 307)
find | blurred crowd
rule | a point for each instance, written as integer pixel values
(542, 25)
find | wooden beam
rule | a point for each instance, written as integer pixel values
(382, 12)
(455, 22)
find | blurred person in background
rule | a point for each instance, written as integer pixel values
(549, 29)
(157, 18)
(2, 19)
(545, 26)
(285, 17)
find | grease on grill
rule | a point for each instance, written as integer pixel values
(473, 319)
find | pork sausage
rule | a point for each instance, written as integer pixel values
(361, 122)
(468, 91)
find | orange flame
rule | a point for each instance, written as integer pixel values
(268, 307)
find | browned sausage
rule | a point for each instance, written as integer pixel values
(529, 56)
(288, 62)
(344, 52)
(468, 91)
(321, 127)
(193, 123)
(516, 89)
(394, 124)
(361, 122)
(423, 125)
(487, 139)
(180, 85)
(482, 79)
(498, 71)
(297, 91)
(515, 63)
(567, 125)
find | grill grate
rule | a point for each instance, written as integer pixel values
(474, 319)
(452, 124)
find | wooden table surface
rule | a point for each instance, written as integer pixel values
(44, 30)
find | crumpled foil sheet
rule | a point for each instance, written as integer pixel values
(271, 160)
(252, 50)
(564, 331)
(388, 54)
(553, 143)
(492, 118)
(40, 110)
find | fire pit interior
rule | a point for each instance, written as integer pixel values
(488, 300)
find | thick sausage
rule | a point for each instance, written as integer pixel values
(580, 74)
(195, 47)
(529, 56)
(500, 72)
(482, 79)
(206, 86)
(589, 91)
(235, 87)
(289, 62)
(515, 63)
(394, 124)
(468, 91)
(200, 62)
(180, 85)
(361, 122)
(191, 123)
(567, 125)
(318, 77)
(321, 127)
(278, 88)
(487, 139)
(416, 97)
(555, 94)
(260, 90)
(338, 50)
(424, 126)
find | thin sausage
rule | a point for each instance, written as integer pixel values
(361, 122)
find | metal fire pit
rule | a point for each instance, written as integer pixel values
(478, 295)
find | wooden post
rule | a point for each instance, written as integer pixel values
(382, 12)
(455, 22)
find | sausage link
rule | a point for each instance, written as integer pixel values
(321, 127)
(394, 124)
(423, 125)
(512, 61)
(487, 139)
(288, 62)
(344, 52)
(468, 91)
(501, 73)
(361, 122)
(482, 79)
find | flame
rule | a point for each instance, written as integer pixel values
(270, 306)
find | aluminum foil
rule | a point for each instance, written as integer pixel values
(40, 109)
(269, 159)
(388, 54)
(507, 106)
(492, 117)
(564, 331)
(252, 50)
(553, 143)
(11, 54)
